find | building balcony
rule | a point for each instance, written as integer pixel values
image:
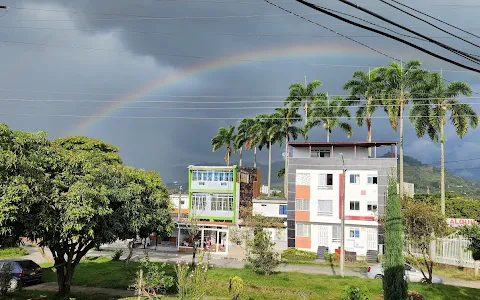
(351, 150)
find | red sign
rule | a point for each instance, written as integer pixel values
(461, 222)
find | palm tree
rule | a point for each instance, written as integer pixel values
(263, 136)
(329, 112)
(396, 80)
(302, 95)
(284, 119)
(428, 114)
(224, 137)
(243, 136)
(363, 92)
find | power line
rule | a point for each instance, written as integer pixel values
(436, 19)
(431, 24)
(389, 35)
(331, 30)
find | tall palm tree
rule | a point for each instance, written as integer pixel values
(283, 128)
(329, 113)
(396, 81)
(243, 136)
(428, 114)
(364, 89)
(302, 95)
(224, 137)
(263, 136)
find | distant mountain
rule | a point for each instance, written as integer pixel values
(425, 177)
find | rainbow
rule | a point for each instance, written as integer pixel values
(291, 50)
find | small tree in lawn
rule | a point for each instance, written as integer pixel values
(472, 233)
(423, 223)
(261, 255)
(394, 284)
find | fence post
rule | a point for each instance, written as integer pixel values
(460, 250)
(433, 245)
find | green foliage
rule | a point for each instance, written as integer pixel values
(12, 252)
(235, 288)
(356, 293)
(260, 254)
(191, 282)
(225, 137)
(423, 223)
(394, 283)
(472, 233)
(117, 254)
(331, 257)
(413, 295)
(296, 254)
(152, 280)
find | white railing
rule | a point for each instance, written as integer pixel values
(449, 251)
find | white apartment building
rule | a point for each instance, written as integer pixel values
(276, 208)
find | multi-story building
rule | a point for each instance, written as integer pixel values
(315, 195)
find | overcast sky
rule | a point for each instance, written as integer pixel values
(88, 53)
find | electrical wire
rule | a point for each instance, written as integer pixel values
(431, 24)
(436, 19)
(390, 36)
(453, 50)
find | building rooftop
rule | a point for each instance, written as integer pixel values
(212, 167)
(343, 144)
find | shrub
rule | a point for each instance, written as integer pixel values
(236, 287)
(296, 254)
(191, 282)
(117, 254)
(151, 279)
(260, 254)
(331, 257)
(356, 293)
(12, 252)
(413, 295)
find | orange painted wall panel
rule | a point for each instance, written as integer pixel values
(303, 242)
(302, 192)
(302, 215)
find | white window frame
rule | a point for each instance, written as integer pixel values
(336, 238)
(323, 182)
(317, 153)
(356, 178)
(221, 202)
(374, 207)
(353, 230)
(302, 204)
(303, 230)
(326, 209)
(350, 205)
(371, 177)
(199, 202)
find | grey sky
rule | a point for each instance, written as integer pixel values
(140, 45)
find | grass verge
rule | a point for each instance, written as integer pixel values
(12, 252)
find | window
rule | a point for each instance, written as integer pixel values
(355, 178)
(336, 234)
(283, 210)
(325, 181)
(194, 175)
(199, 202)
(371, 207)
(210, 176)
(324, 208)
(354, 205)
(372, 179)
(320, 153)
(302, 204)
(222, 202)
(355, 233)
(215, 176)
(303, 230)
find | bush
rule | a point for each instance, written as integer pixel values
(151, 279)
(117, 254)
(260, 254)
(296, 254)
(356, 293)
(236, 287)
(413, 295)
(191, 283)
(332, 257)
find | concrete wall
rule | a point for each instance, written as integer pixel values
(268, 208)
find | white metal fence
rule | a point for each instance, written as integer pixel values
(449, 251)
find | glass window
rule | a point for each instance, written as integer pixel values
(230, 176)
(199, 202)
(222, 176)
(324, 208)
(355, 233)
(283, 210)
(303, 230)
(210, 176)
(355, 178)
(325, 181)
(215, 176)
(336, 234)
(194, 175)
(302, 204)
(222, 202)
(371, 207)
(372, 179)
(354, 205)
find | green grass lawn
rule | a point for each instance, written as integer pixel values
(102, 272)
(12, 252)
(36, 295)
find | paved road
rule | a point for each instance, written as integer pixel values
(175, 257)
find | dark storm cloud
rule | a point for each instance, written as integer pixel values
(161, 143)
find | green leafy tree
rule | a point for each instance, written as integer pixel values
(472, 233)
(261, 255)
(329, 113)
(423, 224)
(364, 90)
(244, 137)
(284, 129)
(434, 99)
(394, 283)
(69, 197)
(303, 95)
(225, 137)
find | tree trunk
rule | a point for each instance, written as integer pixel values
(255, 157)
(194, 255)
(130, 253)
(328, 135)
(64, 277)
(306, 113)
(369, 134)
(285, 174)
(240, 162)
(228, 158)
(442, 166)
(401, 150)
(269, 165)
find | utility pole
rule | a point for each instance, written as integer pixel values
(180, 204)
(342, 232)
